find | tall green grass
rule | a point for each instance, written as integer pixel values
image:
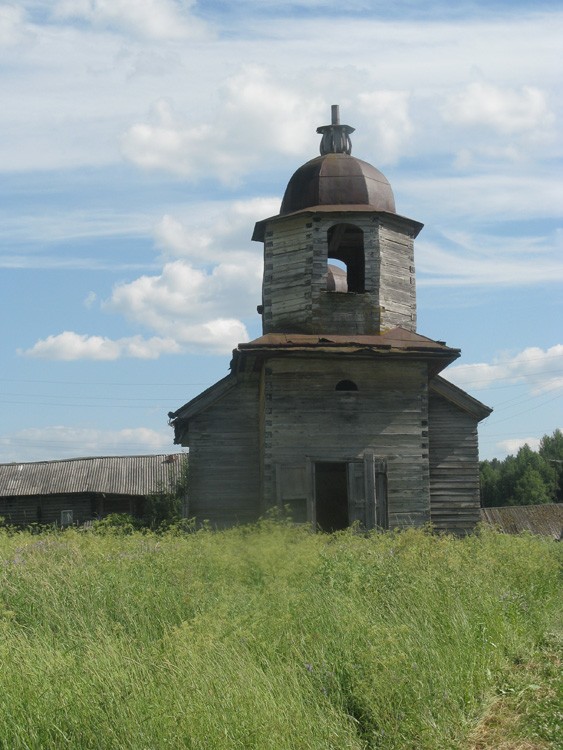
(266, 637)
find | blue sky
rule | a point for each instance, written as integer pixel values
(142, 139)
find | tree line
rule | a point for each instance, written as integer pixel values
(527, 478)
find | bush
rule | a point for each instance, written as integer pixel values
(117, 523)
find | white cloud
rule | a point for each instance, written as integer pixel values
(481, 197)
(154, 19)
(206, 285)
(481, 260)
(71, 346)
(194, 306)
(512, 445)
(13, 26)
(541, 370)
(60, 441)
(90, 299)
(166, 142)
(261, 118)
(389, 112)
(213, 232)
(508, 111)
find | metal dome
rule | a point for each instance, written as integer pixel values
(337, 179)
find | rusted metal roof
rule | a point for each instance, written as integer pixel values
(119, 475)
(546, 519)
(336, 179)
(397, 339)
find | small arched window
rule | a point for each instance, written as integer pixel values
(346, 385)
(346, 259)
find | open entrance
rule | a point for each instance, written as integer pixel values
(331, 496)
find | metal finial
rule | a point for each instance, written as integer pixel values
(336, 137)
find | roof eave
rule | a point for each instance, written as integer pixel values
(460, 398)
(179, 418)
(260, 227)
(437, 359)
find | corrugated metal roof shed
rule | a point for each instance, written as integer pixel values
(546, 519)
(119, 475)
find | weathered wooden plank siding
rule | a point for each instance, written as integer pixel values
(397, 290)
(306, 417)
(347, 313)
(46, 509)
(454, 467)
(295, 277)
(224, 459)
(22, 511)
(288, 259)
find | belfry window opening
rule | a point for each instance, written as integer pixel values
(346, 259)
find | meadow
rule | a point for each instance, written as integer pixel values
(271, 637)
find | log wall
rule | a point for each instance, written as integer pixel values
(224, 460)
(295, 295)
(46, 509)
(454, 467)
(388, 416)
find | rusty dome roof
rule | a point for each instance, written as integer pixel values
(337, 179)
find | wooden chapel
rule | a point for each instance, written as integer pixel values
(338, 411)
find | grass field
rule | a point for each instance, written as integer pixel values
(274, 638)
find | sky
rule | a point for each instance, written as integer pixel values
(142, 139)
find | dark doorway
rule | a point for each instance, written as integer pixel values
(331, 496)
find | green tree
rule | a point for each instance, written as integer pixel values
(530, 489)
(528, 478)
(490, 483)
(551, 450)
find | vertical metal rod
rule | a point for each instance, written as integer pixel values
(335, 112)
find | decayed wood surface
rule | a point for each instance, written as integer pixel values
(305, 416)
(546, 519)
(224, 476)
(295, 277)
(454, 467)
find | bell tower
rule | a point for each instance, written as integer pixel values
(338, 259)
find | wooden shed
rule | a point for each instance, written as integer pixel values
(76, 490)
(337, 411)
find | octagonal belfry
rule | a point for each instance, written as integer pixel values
(338, 258)
(337, 412)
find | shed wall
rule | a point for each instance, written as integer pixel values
(46, 509)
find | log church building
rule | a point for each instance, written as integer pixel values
(338, 411)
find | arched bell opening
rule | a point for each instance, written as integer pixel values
(346, 270)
